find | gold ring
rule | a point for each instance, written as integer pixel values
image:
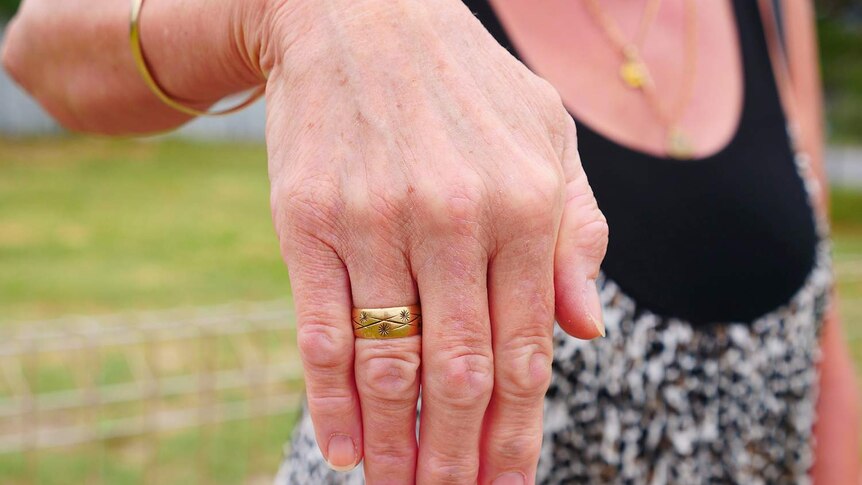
(392, 322)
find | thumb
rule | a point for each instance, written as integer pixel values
(581, 246)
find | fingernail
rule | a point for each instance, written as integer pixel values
(593, 305)
(511, 478)
(341, 453)
(599, 326)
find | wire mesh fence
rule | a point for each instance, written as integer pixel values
(185, 396)
(194, 396)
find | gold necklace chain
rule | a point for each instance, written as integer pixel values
(635, 73)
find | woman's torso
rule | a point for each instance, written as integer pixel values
(727, 236)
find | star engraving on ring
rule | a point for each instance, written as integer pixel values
(384, 328)
(405, 315)
(363, 317)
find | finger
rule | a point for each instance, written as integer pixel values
(521, 296)
(321, 293)
(581, 246)
(387, 371)
(457, 367)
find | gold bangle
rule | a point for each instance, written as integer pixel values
(146, 74)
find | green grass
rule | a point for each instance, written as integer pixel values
(98, 226)
(231, 453)
(94, 225)
(90, 226)
(847, 237)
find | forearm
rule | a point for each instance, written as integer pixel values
(805, 74)
(837, 429)
(804, 93)
(74, 58)
(837, 450)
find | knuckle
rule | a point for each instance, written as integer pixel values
(565, 137)
(324, 348)
(388, 452)
(552, 107)
(590, 223)
(456, 207)
(594, 237)
(570, 128)
(515, 446)
(306, 204)
(390, 379)
(466, 380)
(524, 368)
(377, 210)
(548, 92)
(445, 468)
(331, 402)
(536, 195)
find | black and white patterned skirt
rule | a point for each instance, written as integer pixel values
(662, 401)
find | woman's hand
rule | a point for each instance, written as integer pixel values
(412, 158)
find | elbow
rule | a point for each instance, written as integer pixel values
(14, 62)
(8, 58)
(29, 73)
(12, 58)
(78, 79)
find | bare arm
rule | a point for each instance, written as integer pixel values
(837, 428)
(75, 59)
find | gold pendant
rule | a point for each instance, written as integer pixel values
(679, 145)
(634, 73)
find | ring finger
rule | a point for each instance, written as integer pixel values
(387, 364)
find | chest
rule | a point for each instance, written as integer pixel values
(565, 42)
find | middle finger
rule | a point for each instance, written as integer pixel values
(457, 367)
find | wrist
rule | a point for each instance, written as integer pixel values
(200, 51)
(314, 38)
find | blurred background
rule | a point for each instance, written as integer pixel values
(145, 325)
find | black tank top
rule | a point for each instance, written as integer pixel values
(725, 238)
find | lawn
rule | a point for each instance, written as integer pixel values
(92, 226)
